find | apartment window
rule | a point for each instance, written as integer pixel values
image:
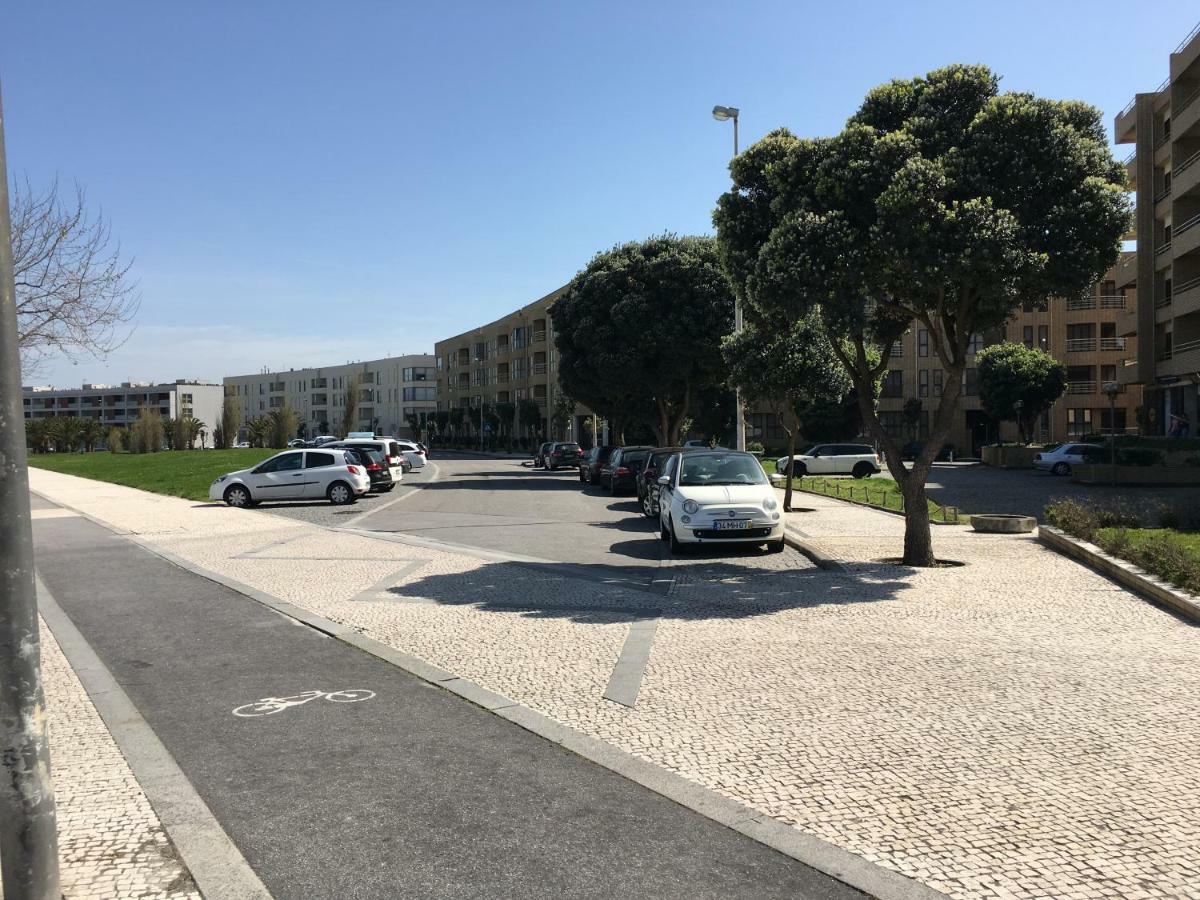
(893, 384)
(923, 383)
(765, 427)
(1106, 421)
(1027, 336)
(892, 421)
(480, 350)
(971, 382)
(975, 344)
(897, 349)
(1044, 337)
(420, 393)
(922, 342)
(939, 377)
(1079, 422)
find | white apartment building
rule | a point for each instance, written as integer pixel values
(388, 390)
(121, 404)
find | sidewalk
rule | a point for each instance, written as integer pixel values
(1017, 727)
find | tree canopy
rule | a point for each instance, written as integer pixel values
(942, 205)
(1013, 372)
(639, 331)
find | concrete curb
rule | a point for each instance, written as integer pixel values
(1124, 573)
(818, 558)
(843, 865)
(212, 859)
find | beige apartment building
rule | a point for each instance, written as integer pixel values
(506, 361)
(1164, 169)
(1081, 332)
(386, 390)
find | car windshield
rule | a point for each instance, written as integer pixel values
(710, 469)
(806, 450)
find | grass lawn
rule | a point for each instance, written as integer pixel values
(179, 473)
(878, 490)
(1139, 537)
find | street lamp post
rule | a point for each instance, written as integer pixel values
(479, 362)
(724, 114)
(1112, 389)
(28, 841)
(1019, 405)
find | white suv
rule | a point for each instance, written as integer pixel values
(295, 475)
(859, 460)
(410, 450)
(391, 450)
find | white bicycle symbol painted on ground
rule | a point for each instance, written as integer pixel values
(268, 706)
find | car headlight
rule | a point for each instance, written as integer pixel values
(691, 507)
(770, 503)
(220, 478)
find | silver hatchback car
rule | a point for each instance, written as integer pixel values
(295, 475)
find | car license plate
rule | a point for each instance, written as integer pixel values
(731, 525)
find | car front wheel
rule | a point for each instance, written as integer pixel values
(1061, 469)
(237, 496)
(340, 494)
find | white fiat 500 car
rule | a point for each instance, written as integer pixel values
(718, 496)
(295, 475)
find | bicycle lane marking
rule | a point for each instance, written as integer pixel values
(267, 706)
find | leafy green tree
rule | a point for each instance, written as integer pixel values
(791, 371)
(1009, 373)
(506, 413)
(171, 433)
(35, 435)
(414, 423)
(115, 439)
(561, 414)
(529, 414)
(942, 205)
(90, 432)
(639, 331)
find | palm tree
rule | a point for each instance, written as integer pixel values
(35, 435)
(259, 431)
(282, 424)
(190, 428)
(65, 432)
(90, 432)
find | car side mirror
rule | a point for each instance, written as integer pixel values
(664, 480)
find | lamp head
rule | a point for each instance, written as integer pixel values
(724, 113)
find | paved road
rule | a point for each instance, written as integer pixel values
(414, 793)
(506, 506)
(1026, 492)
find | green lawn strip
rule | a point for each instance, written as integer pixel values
(1182, 571)
(876, 490)
(180, 473)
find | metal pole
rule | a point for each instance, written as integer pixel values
(739, 411)
(28, 840)
(1112, 435)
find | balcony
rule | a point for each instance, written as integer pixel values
(1186, 237)
(1187, 297)
(539, 337)
(1081, 345)
(1125, 125)
(1127, 271)
(1081, 387)
(1112, 343)
(1074, 303)
(539, 368)
(1112, 301)
(1162, 256)
(1186, 177)
(502, 349)
(1188, 348)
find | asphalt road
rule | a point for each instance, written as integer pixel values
(983, 489)
(505, 505)
(411, 793)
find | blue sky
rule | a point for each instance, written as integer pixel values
(303, 183)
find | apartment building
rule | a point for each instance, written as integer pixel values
(506, 361)
(121, 404)
(1081, 332)
(384, 391)
(1164, 170)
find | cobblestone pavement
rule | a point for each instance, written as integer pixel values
(1015, 727)
(111, 844)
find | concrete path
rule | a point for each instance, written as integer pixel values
(401, 790)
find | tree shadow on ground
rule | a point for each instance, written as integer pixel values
(597, 594)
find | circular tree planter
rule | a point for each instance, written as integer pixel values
(995, 523)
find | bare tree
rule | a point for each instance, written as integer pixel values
(74, 292)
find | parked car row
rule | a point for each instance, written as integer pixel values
(698, 494)
(341, 471)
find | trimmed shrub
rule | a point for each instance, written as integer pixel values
(1139, 456)
(1073, 517)
(1170, 560)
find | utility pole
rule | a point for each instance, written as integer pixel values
(28, 834)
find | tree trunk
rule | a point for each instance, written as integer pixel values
(787, 491)
(918, 534)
